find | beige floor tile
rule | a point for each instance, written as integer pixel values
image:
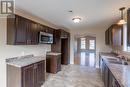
(75, 76)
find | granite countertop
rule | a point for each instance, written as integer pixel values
(120, 72)
(24, 61)
(53, 53)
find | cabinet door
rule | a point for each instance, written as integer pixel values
(59, 63)
(34, 33)
(128, 27)
(64, 34)
(44, 29)
(20, 32)
(40, 73)
(110, 36)
(107, 37)
(112, 81)
(117, 35)
(103, 71)
(106, 79)
(50, 30)
(28, 76)
(29, 34)
(48, 63)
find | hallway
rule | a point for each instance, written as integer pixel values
(86, 59)
(85, 52)
(75, 76)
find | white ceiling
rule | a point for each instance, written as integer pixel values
(92, 12)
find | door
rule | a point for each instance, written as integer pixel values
(86, 51)
(65, 60)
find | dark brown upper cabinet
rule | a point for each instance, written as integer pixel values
(32, 33)
(117, 35)
(114, 35)
(49, 30)
(16, 30)
(107, 42)
(63, 34)
(22, 31)
(128, 27)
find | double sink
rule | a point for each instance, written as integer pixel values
(117, 61)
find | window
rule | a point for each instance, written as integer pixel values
(83, 43)
(91, 44)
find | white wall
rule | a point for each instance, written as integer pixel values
(7, 51)
(98, 32)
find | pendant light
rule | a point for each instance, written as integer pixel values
(122, 21)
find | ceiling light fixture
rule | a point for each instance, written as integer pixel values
(76, 20)
(122, 21)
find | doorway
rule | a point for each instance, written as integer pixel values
(65, 51)
(85, 53)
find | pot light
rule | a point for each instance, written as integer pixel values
(122, 21)
(76, 20)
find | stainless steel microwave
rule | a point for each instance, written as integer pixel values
(45, 38)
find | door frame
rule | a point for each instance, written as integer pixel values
(78, 49)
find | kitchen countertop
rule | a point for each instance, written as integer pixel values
(24, 61)
(120, 72)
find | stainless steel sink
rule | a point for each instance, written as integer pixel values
(117, 61)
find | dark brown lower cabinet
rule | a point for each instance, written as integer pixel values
(53, 63)
(29, 76)
(40, 73)
(34, 75)
(105, 72)
(107, 77)
(112, 81)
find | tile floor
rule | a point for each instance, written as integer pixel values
(75, 76)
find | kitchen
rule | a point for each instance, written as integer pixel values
(42, 45)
